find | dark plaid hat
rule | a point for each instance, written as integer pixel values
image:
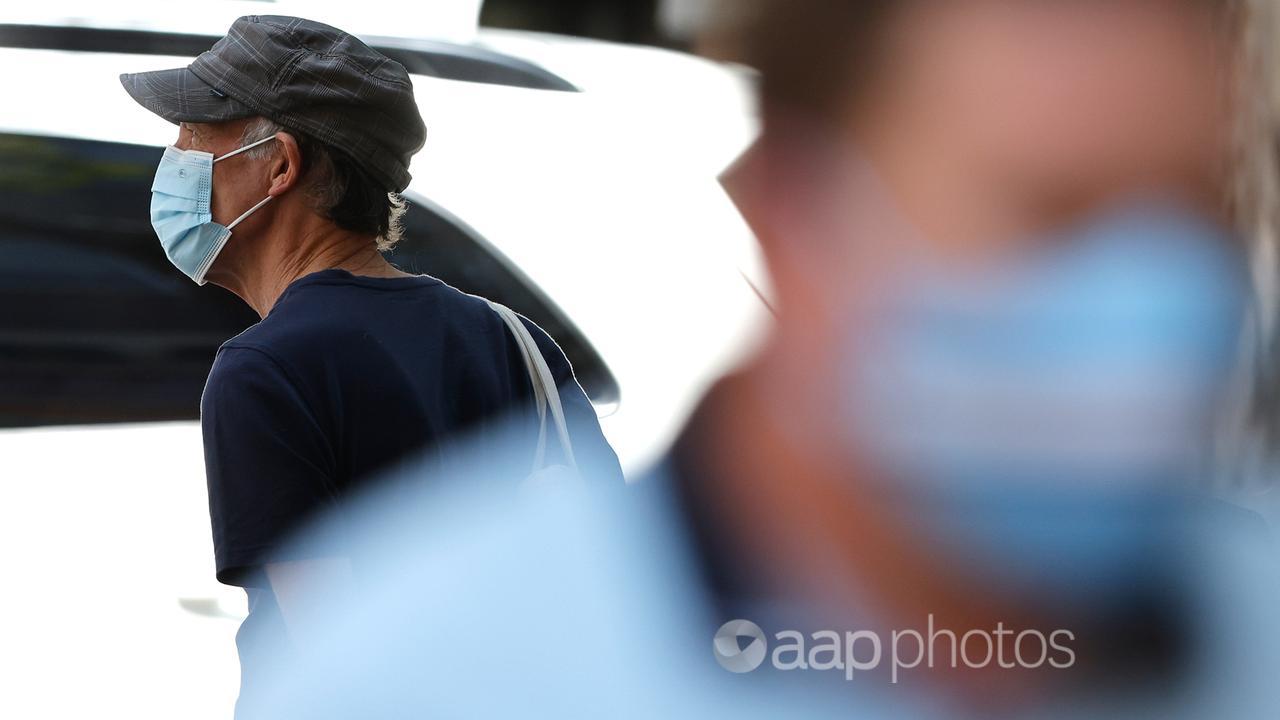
(306, 76)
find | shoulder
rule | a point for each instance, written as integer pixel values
(551, 351)
(241, 359)
(245, 372)
(302, 321)
(332, 310)
(470, 319)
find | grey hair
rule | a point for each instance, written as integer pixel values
(324, 187)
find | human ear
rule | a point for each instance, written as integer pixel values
(286, 166)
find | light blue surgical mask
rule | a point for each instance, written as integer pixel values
(1040, 413)
(180, 201)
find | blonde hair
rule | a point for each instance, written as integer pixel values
(1249, 447)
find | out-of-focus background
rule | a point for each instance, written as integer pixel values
(572, 160)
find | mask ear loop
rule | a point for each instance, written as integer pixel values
(249, 212)
(265, 200)
(250, 146)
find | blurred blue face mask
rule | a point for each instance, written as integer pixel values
(180, 201)
(1039, 414)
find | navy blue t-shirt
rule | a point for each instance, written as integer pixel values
(345, 379)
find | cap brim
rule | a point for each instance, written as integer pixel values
(177, 95)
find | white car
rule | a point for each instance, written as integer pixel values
(573, 180)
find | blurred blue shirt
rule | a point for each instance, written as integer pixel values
(479, 600)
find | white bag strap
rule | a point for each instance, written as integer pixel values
(546, 395)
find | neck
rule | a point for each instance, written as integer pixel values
(817, 532)
(259, 270)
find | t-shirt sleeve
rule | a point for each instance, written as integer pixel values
(596, 458)
(268, 462)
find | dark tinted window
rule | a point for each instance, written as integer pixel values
(97, 326)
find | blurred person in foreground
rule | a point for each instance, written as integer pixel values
(294, 138)
(961, 477)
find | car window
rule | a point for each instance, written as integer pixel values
(97, 326)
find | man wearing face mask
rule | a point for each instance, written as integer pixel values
(294, 139)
